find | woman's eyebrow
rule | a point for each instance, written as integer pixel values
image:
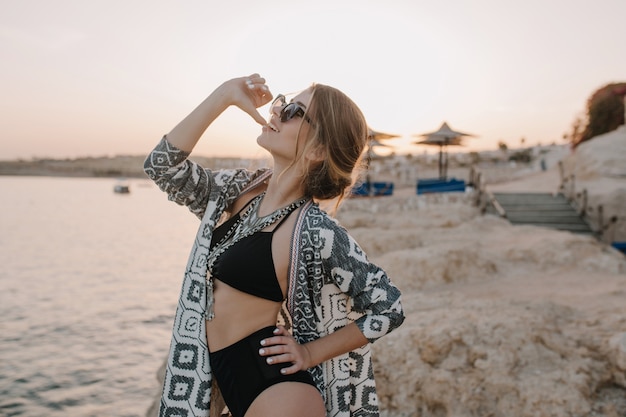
(301, 104)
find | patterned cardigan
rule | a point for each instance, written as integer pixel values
(331, 283)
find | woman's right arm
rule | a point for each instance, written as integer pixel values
(184, 181)
(247, 93)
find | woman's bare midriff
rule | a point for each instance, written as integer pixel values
(237, 315)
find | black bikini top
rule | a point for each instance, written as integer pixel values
(248, 265)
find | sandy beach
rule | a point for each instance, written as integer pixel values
(501, 319)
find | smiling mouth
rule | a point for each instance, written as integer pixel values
(271, 126)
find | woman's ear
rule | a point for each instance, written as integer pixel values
(316, 154)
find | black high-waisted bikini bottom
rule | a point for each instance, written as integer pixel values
(242, 373)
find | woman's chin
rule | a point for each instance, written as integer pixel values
(261, 140)
(264, 140)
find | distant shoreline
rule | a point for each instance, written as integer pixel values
(103, 167)
(403, 170)
(83, 167)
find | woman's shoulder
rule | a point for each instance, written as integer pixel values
(250, 184)
(319, 222)
(321, 218)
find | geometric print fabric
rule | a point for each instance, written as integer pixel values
(331, 283)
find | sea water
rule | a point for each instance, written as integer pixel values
(89, 281)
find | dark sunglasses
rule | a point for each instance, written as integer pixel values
(289, 110)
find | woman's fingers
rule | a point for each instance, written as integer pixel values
(258, 95)
(290, 369)
(281, 330)
(283, 348)
(283, 358)
(252, 111)
(254, 79)
(275, 346)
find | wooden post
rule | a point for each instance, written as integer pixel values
(478, 187)
(583, 209)
(601, 221)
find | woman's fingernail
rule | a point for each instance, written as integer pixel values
(283, 371)
(261, 351)
(270, 360)
(263, 342)
(276, 330)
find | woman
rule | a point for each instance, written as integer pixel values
(277, 259)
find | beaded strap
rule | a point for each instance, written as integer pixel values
(246, 225)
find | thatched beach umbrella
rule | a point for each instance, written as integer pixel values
(376, 144)
(443, 138)
(374, 140)
(374, 135)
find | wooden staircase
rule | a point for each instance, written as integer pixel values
(542, 209)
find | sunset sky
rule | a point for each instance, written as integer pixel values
(96, 77)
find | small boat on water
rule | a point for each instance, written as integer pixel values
(121, 187)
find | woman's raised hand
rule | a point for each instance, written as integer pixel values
(249, 93)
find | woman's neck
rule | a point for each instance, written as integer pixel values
(283, 188)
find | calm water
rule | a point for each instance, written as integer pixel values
(89, 281)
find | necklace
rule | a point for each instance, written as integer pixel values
(246, 225)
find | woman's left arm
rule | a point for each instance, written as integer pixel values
(283, 348)
(372, 295)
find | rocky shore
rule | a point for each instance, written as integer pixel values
(501, 319)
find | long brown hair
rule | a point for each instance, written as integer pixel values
(339, 132)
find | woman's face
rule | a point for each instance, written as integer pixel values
(282, 138)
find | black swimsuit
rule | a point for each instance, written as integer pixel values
(240, 371)
(257, 275)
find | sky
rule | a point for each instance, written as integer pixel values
(111, 77)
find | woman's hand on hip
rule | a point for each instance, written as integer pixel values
(283, 348)
(248, 93)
